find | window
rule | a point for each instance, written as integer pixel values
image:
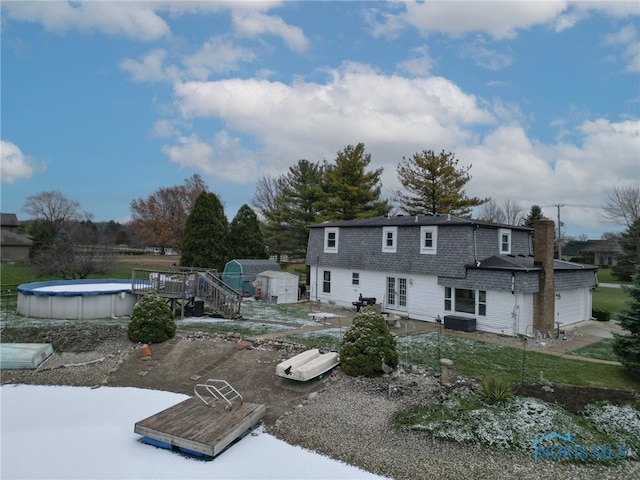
(464, 301)
(505, 241)
(482, 303)
(428, 240)
(355, 278)
(326, 282)
(389, 235)
(331, 240)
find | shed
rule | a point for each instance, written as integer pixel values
(278, 287)
(240, 274)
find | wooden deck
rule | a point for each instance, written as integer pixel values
(195, 427)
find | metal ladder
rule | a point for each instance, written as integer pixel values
(218, 390)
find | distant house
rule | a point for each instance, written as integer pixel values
(574, 248)
(13, 246)
(477, 274)
(603, 252)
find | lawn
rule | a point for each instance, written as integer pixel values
(602, 350)
(610, 299)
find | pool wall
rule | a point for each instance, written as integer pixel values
(83, 300)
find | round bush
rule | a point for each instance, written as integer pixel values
(367, 344)
(151, 321)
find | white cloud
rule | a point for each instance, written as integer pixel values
(131, 19)
(224, 157)
(501, 20)
(628, 38)
(419, 63)
(15, 165)
(150, 68)
(251, 24)
(483, 56)
(219, 55)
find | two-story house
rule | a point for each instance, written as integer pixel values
(428, 267)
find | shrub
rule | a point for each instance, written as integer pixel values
(151, 321)
(495, 390)
(367, 344)
(601, 315)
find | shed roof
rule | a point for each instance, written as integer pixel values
(526, 262)
(252, 267)
(10, 239)
(276, 274)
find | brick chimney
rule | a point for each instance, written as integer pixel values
(544, 302)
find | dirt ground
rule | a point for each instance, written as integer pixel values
(176, 365)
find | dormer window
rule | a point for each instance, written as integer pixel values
(428, 240)
(505, 241)
(389, 239)
(331, 239)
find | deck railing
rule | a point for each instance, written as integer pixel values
(187, 283)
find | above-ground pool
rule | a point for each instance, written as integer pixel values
(76, 299)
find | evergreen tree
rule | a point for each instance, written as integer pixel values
(629, 258)
(348, 190)
(245, 234)
(627, 347)
(533, 216)
(433, 183)
(294, 207)
(205, 243)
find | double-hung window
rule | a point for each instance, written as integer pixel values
(326, 281)
(389, 239)
(355, 278)
(429, 240)
(505, 241)
(331, 235)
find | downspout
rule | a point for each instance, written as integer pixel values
(317, 263)
(475, 245)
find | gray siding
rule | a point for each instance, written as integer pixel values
(479, 279)
(570, 279)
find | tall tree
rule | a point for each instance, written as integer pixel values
(629, 258)
(265, 197)
(433, 183)
(350, 191)
(206, 235)
(627, 347)
(295, 207)
(245, 235)
(533, 216)
(160, 219)
(52, 212)
(623, 205)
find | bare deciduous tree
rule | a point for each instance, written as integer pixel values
(265, 197)
(623, 205)
(52, 207)
(510, 212)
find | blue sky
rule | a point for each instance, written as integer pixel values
(110, 101)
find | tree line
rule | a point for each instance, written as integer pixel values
(191, 219)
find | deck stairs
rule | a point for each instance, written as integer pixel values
(188, 285)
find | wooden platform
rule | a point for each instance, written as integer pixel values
(194, 427)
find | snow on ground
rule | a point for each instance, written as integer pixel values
(84, 433)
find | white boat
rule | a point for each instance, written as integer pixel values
(307, 365)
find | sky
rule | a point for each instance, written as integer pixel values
(110, 101)
(76, 433)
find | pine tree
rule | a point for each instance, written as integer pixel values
(246, 236)
(627, 347)
(629, 258)
(205, 242)
(433, 183)
(349, 191)
(294, 207)
(533, 216)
